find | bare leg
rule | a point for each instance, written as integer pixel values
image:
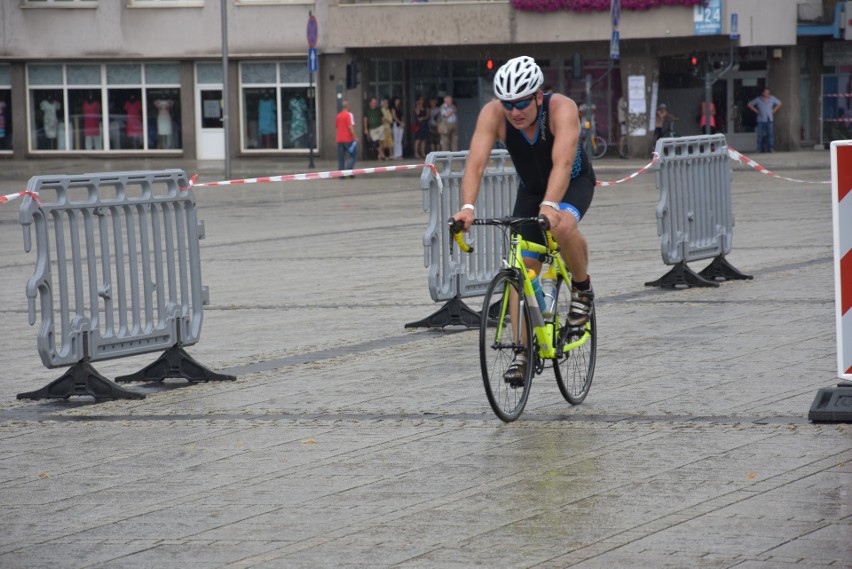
(575, 249)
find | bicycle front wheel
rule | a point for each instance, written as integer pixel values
(576, 349)
(501, 337)
(598, 147)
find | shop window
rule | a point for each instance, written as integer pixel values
(112, 107)
(5, 108)
(276, 105)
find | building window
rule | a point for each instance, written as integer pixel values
(111, 107)
(166, 3)
(277, 107)
(61, 3)
(5, 108)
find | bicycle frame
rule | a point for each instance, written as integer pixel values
(544, 331)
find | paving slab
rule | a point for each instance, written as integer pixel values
(350, 441)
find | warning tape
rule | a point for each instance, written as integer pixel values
(10, 197)
(734, 155)
(319, 176)
(634, 174)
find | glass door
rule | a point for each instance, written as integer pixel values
(742, 121)
(211, 129)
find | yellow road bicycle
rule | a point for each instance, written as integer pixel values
(512, 322)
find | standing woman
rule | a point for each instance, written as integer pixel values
(398, 127)
(421, 131)
(387, 121)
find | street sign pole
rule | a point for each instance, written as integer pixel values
(312, 35)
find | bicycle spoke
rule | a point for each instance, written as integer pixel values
(574, 365)
(499, 341)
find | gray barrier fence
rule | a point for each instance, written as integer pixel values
(457, 275)
(695, 216)
(118, 273)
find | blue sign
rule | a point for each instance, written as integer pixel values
(312, 59)
(735, 27)
(613, 46)
(707, 18)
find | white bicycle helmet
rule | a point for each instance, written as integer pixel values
(517, 78)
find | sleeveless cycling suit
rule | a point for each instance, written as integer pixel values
(533, 160)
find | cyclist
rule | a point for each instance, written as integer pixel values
(541, 132)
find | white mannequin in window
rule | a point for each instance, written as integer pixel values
(49, 108)
(164, 122)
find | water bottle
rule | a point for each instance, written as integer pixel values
(548, 288)
(539, 295)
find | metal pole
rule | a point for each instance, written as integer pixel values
(225, 98)
(311, 104)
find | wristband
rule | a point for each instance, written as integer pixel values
(553, 205)
(469, 206)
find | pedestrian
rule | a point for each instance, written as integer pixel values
(542, 134)
(346, 142)
(373, 129)
(434, 114)
(448, 125)
(702, 121)
(398, 127)
(663, 121)
(420, 127)
(765, 106)
(387, 122)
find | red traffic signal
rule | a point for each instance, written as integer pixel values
(489, 65)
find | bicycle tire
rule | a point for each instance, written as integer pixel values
(598, 148)
(574, 368)
(497, 347)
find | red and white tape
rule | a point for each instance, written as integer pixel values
(634, 174)
(320, 176)
(10, 197)
(734, 155)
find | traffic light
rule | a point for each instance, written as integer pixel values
(352, 78)
(695, 63)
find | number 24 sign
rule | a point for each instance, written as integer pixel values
(708, 18)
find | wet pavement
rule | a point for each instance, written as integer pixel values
(351, 441)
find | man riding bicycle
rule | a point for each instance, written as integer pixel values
(541, 132)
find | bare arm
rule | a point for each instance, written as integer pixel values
(488, 130)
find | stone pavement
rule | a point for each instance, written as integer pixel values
(350, 441)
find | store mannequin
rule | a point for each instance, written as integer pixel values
(164, 122)
(92, 123)
(49, 108)
(267, 122)
(133, 121)
(2, 123)
(298, 122)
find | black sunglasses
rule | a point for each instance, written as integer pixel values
(520, 105)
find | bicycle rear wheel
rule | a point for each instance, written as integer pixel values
(499, 339)
(598, 147)
(574, 364)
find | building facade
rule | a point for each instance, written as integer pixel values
(146, 77)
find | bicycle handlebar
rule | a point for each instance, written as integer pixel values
(457, 227)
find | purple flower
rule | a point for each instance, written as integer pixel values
(595, 5)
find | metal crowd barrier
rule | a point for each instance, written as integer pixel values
(457, 275)
(118, 273)
(695, 217)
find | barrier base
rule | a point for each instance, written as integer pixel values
(175, 362)
(720, 268)
(681, 275)
(82, 379)
(832, 405)
(453, 313)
